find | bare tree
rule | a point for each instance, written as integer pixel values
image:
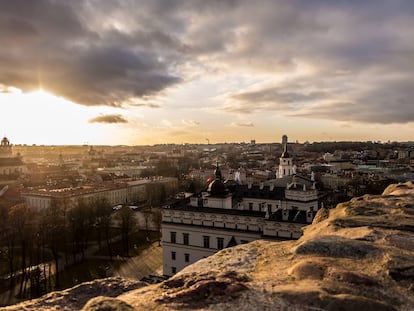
(156, 194)
(128, 224)
(157, 218)
(10, 237)
(53, 224)
(147, 212)
(20, 217)
(103, 211)
(80, 218)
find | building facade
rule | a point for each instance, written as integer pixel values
(229, 213)
(114, 193)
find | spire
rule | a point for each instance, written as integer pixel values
(217, 187)
(286, 163)
(285, 153)
(217, 172)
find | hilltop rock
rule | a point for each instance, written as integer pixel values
(358, 256)
(76, 297)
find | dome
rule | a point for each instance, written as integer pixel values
(216, 187)
(5, 141)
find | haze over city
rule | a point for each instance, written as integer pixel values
(147, 72)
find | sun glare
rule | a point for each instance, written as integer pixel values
(42, 118)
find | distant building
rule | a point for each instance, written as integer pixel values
(11, 167)
(229, 213)
(114, 193)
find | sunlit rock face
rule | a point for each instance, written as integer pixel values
(76, 297)
(358, 256)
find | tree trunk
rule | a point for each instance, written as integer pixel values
(57, 280)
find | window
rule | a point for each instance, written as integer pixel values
(185, 238)
(220, 243)
(173, 237)
(173, 270)
(173, 255)
(206, 241)
(250, 206)
(187, 257)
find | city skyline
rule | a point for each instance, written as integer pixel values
(150, 72)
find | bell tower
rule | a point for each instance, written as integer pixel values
(285, 160)
(5, 148)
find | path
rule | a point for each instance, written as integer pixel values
(148, 262)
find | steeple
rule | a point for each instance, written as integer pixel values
(285, 160)
(217, 187)
(5, 148)
(217, 172)
(285, 153)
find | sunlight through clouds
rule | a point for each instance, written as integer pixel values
(204, 67)
(33, 116)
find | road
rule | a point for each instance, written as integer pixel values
(148, 262)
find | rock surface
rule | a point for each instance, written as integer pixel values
(76, 297)
(358, 256)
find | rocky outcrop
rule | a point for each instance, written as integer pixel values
(358, 256)
(76, 297)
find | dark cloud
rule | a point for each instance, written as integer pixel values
(148, 105)
(270, 99)
(112, 76)
(386, 102)
(114, 52)
(54, 45)
(109, 118)
(339, 49)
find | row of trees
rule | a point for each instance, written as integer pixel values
(171, 167)
(35, 244)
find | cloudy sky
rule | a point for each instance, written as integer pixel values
(162, 71)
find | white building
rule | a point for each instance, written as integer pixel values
(227, 214)
(113, 193)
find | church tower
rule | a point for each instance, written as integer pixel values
(286, 161)
(11, 167)
(5, 148)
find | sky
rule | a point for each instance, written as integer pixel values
(135, 72)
